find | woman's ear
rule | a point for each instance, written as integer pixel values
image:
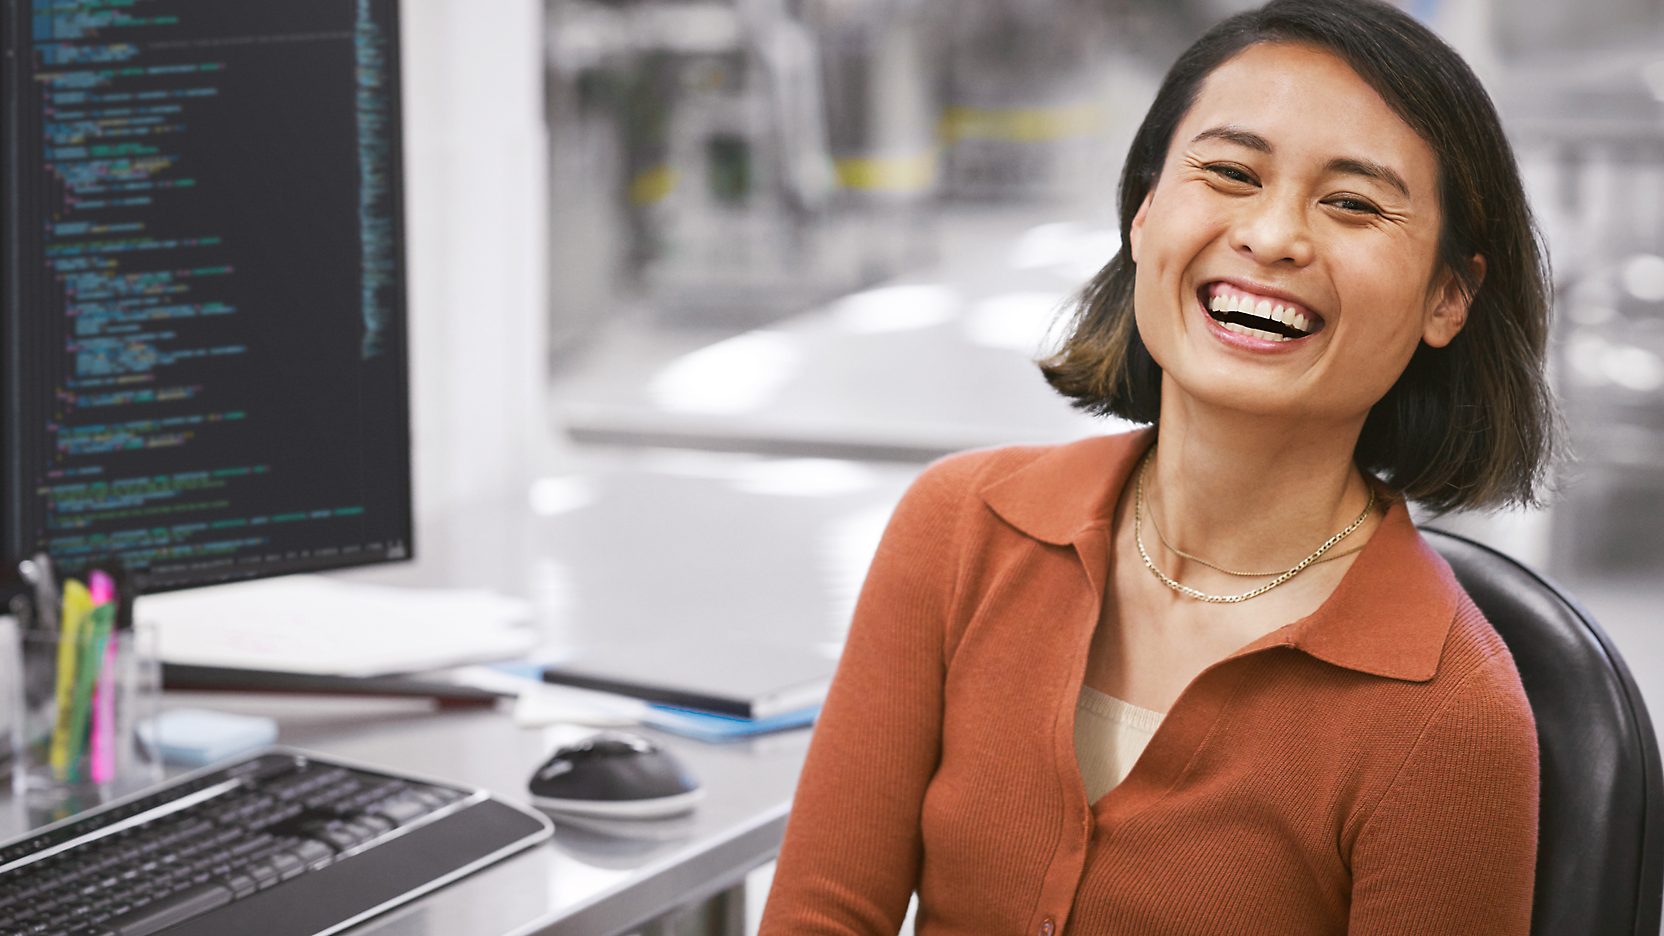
(1451, 301)
(1137, 231)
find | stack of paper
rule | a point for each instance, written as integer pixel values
(312, 624)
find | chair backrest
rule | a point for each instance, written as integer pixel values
(1600, 851)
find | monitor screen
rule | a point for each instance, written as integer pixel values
(204, 365)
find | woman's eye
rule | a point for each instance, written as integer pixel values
(1354, 205)
(1232, 173)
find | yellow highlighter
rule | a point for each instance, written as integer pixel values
(77, 606)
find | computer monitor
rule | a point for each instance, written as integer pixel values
(203, 348)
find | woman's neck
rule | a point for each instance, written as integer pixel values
(1249, 492)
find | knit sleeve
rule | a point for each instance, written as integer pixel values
(1452, 845)
(852, 849)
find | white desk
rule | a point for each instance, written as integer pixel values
(691, 544)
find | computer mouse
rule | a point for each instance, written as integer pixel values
(616, 775)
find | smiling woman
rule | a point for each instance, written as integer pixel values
(1469, 423)
(1219, 684)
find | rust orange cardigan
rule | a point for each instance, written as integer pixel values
(1369, 769)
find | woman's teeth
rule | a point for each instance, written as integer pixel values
(1263, 309)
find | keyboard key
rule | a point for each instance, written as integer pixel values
(315, 853)
(251, 845)
(288, 864)
(401, 811)
(242, 885)
(264, 873)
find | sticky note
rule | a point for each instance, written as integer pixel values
(193, 737)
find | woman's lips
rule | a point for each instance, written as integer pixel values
(1269, 318)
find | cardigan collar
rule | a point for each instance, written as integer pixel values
(1389, 615)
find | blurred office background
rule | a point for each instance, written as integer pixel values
(598, 188)
(669, 255)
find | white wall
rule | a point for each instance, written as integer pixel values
(475, 223)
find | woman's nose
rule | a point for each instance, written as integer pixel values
(1274, 229)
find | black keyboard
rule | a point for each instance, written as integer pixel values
(281, 844)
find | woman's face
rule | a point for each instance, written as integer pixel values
(1287, 256)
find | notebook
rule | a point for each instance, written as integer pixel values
(737, 678)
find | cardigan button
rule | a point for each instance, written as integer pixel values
(1047, 927)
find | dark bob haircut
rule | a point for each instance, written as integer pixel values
(1471, 424)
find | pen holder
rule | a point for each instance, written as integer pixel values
(81, 717)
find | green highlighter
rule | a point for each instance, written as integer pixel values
(95, 633)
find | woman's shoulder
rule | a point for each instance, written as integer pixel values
(1474, 662)
(948, 494)
(1477, 668)
(967, 474)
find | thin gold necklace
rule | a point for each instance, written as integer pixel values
(1138, 538)
(1200, 561)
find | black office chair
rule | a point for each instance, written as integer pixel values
(1600, 847)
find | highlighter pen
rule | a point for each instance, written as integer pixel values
(104, 717)
(77, 605)
(100, 588)
(103, 592)
(94, 637)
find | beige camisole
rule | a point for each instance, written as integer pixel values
(1109, 737)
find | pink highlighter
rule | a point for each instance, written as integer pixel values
(103, 753)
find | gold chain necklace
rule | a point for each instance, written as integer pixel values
(1200, 561)
(1138, 538)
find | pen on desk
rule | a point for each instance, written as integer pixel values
(38, 573)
